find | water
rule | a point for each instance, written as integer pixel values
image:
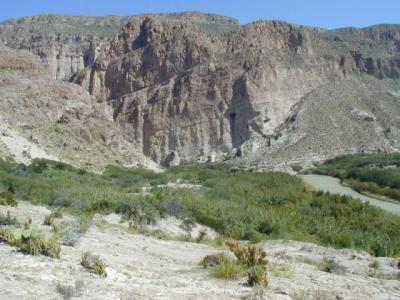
(333, 185)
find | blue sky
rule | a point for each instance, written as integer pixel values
(321, 13)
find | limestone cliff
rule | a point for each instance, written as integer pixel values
(201, 87)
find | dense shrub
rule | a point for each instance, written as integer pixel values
(250, 260)
(374, 173)
(7, 198)
(240, 205)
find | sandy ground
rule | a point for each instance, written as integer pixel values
(143, 267)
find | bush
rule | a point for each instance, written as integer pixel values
(228, 268)
(248, 255)
(257, 275)
(30, 241)
(240, 205)
(250, 260)
(212, 260)
(94, 264)
(7, 198)
(331, 266)
(373, 173)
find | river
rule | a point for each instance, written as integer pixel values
(333, 185)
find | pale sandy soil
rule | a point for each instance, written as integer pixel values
(143, 267)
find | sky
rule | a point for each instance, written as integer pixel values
(318, 13)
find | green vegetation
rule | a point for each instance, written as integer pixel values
(7, 198)
(331, 266)
(49, 220)
(249, 260)
(94, 264)
(228, 268)
(29, 239)
(378, 174)
(238, 205)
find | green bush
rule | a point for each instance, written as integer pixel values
(257, 275)
(250, 260)
(374, 173)
(7, 198)
(228, 268)
(240, 205)
(31, 241)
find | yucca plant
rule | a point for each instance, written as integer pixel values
(94, 264)
(99, 268)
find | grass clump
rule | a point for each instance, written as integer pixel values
(249, 260)
(228, 268)
(331, 266)
(94, 264)
(7, 198)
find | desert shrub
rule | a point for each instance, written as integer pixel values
(249, 255)
(257, 275)
(296, 167)
(85, 260)
(7, 198)
(240, 205)
(250, 260)
(71, 231)
(331, 266)
(31, 241)
(94, 264)
(228, 268)
(99, 268)
(367, 172)
(49, 219)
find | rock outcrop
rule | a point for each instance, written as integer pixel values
(43, 118)
(207, 89)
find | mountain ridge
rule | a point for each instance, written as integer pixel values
(184, 85)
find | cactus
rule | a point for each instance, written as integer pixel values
(249, 255)
(257, 275)
(30, 240)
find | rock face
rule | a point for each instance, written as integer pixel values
(43, 118)
(68, 44)
(205, 88)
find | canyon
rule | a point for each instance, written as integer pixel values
(193, 87)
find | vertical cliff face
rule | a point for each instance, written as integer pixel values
(175, 87)
(201, 87)
(67, 44)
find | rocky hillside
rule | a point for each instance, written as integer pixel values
(200, 87)
(44, 118)
(68, 44)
